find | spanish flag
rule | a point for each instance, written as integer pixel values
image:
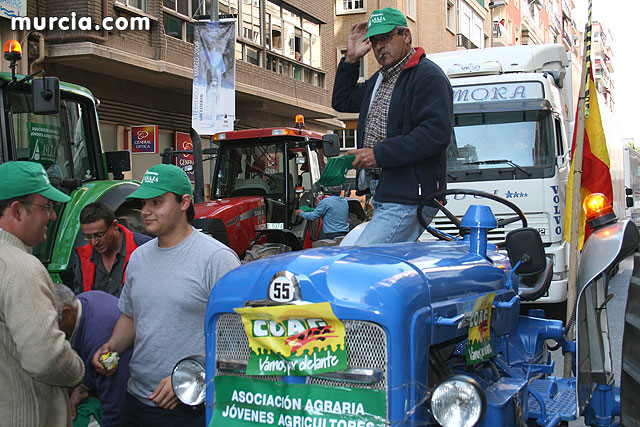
(596, 177)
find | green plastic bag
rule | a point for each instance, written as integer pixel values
(335, 172)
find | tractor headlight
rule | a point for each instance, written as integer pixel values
(188, 380)
(458, 401)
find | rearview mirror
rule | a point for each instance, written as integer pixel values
(118, 162)
(331, 145)
(45, 95)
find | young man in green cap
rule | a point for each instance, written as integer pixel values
(404, 127)
(36, 362)
(164, 300)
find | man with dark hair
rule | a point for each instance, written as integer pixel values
(164, 300)
(334, 211)
(36, 362)
(404, 127)
(87, 321)
(101, 263)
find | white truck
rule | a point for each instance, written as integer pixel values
(514, 119)
(632, 183)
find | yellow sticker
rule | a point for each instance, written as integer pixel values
(294, 339)
(479, 341)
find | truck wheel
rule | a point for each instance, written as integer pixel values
(265, 250)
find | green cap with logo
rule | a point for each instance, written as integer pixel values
(22, 178)
(384, 20)
(160, 179)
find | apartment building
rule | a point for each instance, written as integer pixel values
(144, 77)
(602, 63)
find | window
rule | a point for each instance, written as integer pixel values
(470, 24)
(250, 25)
(350, 6)
(451, 15)
(363, 63)
(176, 18)
(138, 4)
(411, 9)
(347, 138)
(293, 35)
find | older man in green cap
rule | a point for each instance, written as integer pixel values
(36, 362)
(164, 300)
(404, 127)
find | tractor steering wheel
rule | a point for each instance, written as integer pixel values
(433, 199)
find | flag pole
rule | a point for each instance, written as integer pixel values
(576, 200)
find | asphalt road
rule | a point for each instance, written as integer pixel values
(618, 286)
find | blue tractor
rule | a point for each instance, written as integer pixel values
(424, 333)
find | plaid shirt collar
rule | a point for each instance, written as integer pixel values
(396, 69)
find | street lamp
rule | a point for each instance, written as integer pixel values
(492, 5)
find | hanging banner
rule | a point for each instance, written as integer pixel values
(214, 60)
(479, 341)
(183, 142)
(144, 139)
(245, 402)
(294, 339)
(13, 8)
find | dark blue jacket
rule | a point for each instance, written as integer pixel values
(99, 315)
(419, 126)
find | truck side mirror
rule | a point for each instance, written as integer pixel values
(331, 145)
(118, 162)
(628, 191)
(629, 201)
(45, 95)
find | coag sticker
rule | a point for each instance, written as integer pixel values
(294, 339)
(245, 402)
(479, 342)
(43, 143)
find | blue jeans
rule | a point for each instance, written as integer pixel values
(393, 222)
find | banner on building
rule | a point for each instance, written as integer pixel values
(183, 142)
(214, 59)
(13, 8)
(144, 139)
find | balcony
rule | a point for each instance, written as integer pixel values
(465, 43)
(501, 36)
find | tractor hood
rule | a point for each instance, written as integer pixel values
(382, 284)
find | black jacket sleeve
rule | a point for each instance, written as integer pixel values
(348, 94)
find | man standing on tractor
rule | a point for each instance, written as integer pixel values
(406, 120)
(101, 264)
(164, 300)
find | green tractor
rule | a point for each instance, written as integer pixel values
(56, 124)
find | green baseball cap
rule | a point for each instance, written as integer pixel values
(384, 20)
(160, 179)
(22, 178)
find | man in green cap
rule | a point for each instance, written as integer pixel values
(36, 362)
(164, 300)
(404, 127)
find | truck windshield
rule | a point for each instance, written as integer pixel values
(59, 143)
(525, 138)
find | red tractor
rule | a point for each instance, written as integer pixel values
(259, 177)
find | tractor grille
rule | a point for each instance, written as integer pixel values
(537, 221)
(366, 345)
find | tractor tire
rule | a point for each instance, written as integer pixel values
(264, 250)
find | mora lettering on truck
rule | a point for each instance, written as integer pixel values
(479, 341)
(245, 402)
(294, 339)
(497, 92)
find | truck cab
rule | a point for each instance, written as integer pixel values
(513, 126)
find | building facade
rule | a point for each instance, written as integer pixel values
(285, 62)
